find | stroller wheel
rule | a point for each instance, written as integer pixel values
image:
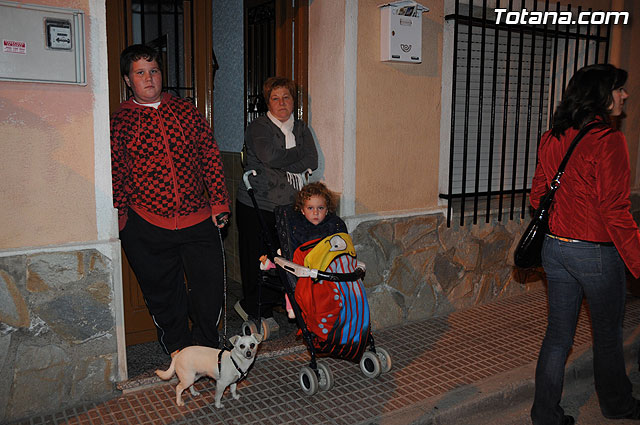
(265, 329)
(308, 381)
(325, 378)
(270, 328)
(385, 359)
(249, 327)
(370, 364)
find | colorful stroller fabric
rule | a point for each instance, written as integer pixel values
(337, 313)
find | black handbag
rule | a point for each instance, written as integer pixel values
(529, 250)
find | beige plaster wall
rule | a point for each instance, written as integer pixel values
(326, 87)
(624, 54)
(398, 127)
(47, 161)
(398, 109)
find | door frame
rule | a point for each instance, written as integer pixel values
(294, 19)
(119, 36)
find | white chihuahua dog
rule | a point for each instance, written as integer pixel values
(226, 367)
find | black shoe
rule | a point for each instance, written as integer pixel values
(633, 414)
(568, 420)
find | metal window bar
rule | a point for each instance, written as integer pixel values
(454, 87)
(528, 120)
(466, 108)
(565, 56)
(480, 104)
(260, 57)
(492, 119)
(505, 116)
(577, 49)
(519, 100)
(539, 122)
(527, 64)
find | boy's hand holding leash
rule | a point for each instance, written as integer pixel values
(221, 220)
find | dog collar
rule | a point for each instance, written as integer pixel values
(242, 374)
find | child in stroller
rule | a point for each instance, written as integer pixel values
(322, 278)
(316, 219)
(336, 311)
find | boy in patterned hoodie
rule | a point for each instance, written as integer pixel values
(164, 158)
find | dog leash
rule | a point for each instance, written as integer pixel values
(224, 280)
(242, 374)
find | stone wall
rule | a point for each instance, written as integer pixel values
(57, 331)
(417, 267)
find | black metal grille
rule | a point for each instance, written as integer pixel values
(167, 26)
(506, 80)
(260, 56)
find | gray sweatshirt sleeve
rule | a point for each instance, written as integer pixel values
(267, 142)
(306, 144)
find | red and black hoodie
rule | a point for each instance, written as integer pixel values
(162, 161)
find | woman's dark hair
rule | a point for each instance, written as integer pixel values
(136, 52)
(587, 96)
(275, 82)
(315, 189)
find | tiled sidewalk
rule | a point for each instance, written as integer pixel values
(432, 361)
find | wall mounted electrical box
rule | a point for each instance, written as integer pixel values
(401, 31)
(41, 44)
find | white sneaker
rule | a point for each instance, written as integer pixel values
(238, 308)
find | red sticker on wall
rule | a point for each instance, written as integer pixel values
(12, 46)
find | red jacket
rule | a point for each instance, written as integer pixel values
(162, 160)
(592, 203)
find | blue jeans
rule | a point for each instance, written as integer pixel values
(574, 270)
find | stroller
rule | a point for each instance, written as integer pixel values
(327, 297)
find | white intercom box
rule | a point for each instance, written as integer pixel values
(401, 31)
(42, 44)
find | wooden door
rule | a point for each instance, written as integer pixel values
(181, 29)
(190, 72)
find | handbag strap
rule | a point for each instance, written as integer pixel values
(555, 183)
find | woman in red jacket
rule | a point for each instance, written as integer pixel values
(592, 237)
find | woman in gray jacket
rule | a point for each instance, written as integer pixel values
(281, 149)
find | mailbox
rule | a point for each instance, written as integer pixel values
(401, 31)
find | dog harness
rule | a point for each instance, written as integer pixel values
(242, 374)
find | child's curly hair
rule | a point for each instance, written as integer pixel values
(315, 189)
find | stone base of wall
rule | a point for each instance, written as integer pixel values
(57, 331)
(417, 267)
